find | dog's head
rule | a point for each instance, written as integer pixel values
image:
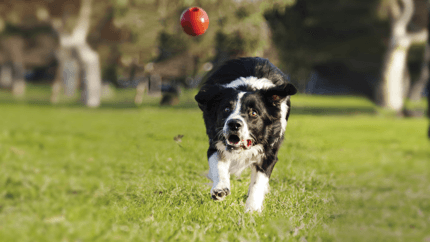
(241, 117)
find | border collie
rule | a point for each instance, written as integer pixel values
(245, 104)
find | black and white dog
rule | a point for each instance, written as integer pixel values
(245, 104)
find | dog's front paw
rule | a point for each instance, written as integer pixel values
(252, 209)
(219, 194)
(253, 206)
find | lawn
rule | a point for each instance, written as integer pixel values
(345, 173)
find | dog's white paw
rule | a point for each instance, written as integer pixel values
(253, 206)
(218, 194)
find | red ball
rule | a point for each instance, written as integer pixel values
(195, 21)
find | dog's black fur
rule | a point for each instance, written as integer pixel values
(260, 109)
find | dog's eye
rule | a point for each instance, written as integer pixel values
(253, 113)
(227, 109)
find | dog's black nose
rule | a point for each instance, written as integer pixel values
(234, 124)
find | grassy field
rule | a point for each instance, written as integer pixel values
(345, 173)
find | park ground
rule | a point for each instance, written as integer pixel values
(346, 172)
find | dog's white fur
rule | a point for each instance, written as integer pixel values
(250, 81)
(258, 188)
(223, 163)
(219, 172)
(244, 134)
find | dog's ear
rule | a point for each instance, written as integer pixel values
(208, 94)
(278, 94)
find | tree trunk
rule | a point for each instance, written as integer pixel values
(58, 81)
(391, 91)
(18, 86)
(140, 90)
(67, 75)
(6, 76)
(92, 76)
(17, 52)
(14, 46)
(88, 58)
(71, 74)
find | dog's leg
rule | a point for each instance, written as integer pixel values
(219, 174)
(257, 190)
(253, 179)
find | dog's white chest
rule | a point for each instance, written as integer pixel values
(240, 160)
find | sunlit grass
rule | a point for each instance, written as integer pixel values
(69, 173)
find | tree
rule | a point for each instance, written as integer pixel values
(13, 46)
(23, 16)
(15, 51)
(391, 93)
(89, 59)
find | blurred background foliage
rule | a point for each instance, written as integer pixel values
(339, 44)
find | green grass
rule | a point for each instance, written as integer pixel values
(68, 173)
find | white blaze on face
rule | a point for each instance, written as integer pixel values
(236, 114)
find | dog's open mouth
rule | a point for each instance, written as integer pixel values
(234, 142)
